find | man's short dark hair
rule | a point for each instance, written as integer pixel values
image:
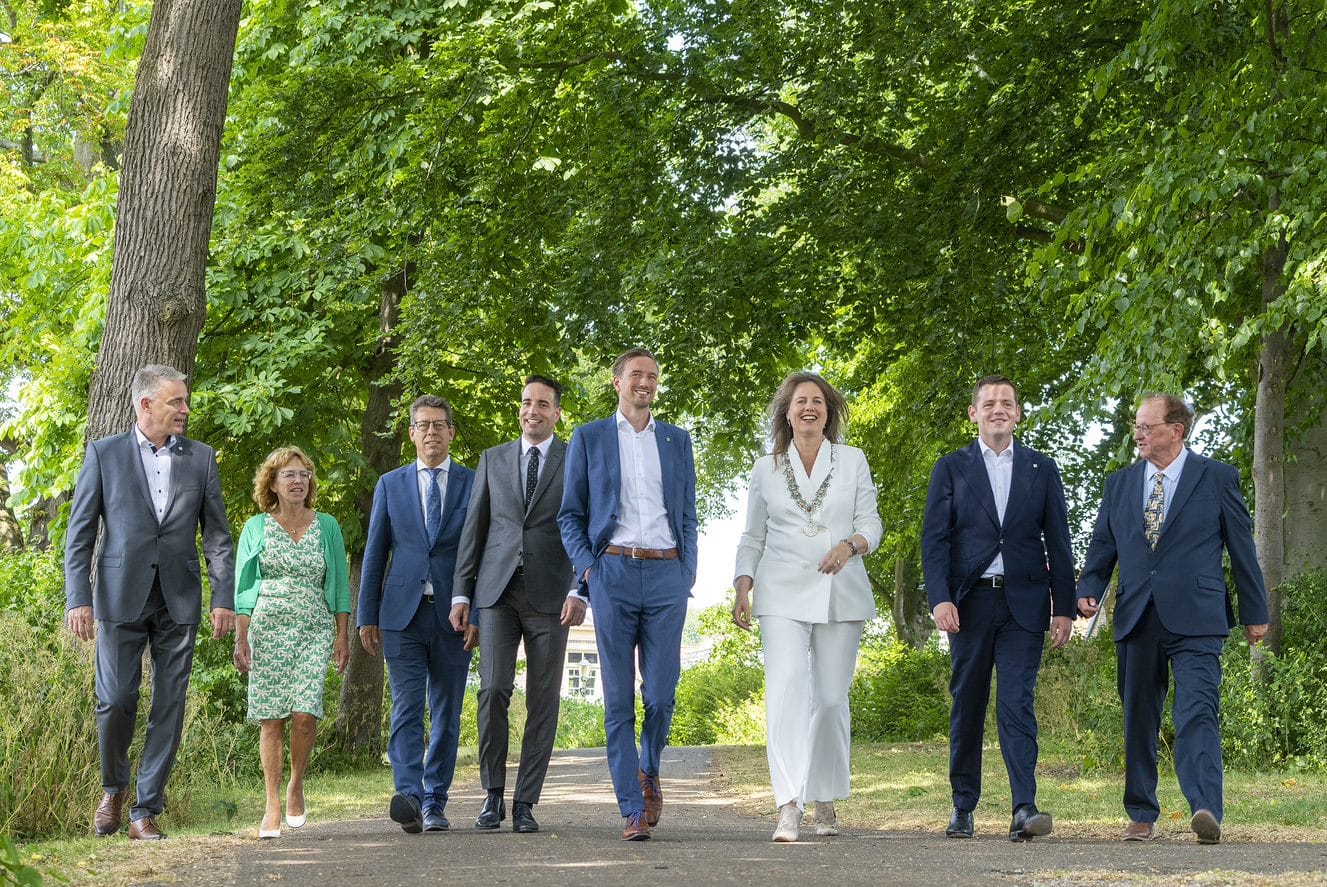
(993, 379)
(620, 364)
(1177, 411)
(430, 402)
(544, 380)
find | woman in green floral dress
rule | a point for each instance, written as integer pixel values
(292, 608)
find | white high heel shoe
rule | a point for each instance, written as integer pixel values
(297, 821)
(790, 824)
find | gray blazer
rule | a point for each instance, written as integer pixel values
(498, 530)
(112, 493)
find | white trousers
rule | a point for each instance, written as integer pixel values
(808, 669)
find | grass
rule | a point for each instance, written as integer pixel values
(905, 787)
(221, 823)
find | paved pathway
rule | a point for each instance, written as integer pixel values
(703, 840)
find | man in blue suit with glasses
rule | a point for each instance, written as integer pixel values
(405, 595)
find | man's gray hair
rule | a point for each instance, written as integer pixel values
(148, 381)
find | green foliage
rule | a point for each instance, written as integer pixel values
(13, 870)
(32, 587)
(1078, 704)
(580, 725)
(730, 644)
(900, 694)
(706, 695)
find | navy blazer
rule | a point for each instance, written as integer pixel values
(1184, 575)
(962, 533)
(594, 477)
(397, 556)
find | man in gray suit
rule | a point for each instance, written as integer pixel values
(151, 491)
(512, 569)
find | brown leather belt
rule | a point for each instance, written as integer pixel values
(644, 554)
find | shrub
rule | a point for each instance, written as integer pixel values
(900, 694)
(706, 693)
(581, 725)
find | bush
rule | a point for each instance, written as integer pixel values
(581, 725)
(1078, 704)
(900, 694)
(706, 693)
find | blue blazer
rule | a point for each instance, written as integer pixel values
(594, 478)
(397, 556)
(962, 532)
(1184, 575)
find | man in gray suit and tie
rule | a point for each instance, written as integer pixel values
(513, 570)
(150, 491)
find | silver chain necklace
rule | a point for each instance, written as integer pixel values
(812, 528)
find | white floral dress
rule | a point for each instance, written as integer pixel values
(291, 631)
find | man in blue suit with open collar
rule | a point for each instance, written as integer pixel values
(1165, 520)
(405, 591)
(628, 522)
(998, 569)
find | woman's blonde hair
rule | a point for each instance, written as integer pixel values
(264, 480)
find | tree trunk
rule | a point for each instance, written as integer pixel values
(1269, 441)
(167, 194)
(359, 714)
(1306, 509)
(912, 616)
(11, 536)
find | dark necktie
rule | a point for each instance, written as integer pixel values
(531, 476)
(1155, 509)
(433, 507)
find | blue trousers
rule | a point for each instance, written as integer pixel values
(640, 607)
(425, 662)
(992, 640)
(1145, 660)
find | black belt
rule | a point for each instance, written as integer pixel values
(989, 582)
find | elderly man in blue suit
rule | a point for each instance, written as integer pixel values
(628, 522)
(405, 594)
(1165, 521)
(999, 570)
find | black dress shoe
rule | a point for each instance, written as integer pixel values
(522, 818)
(435, 820)
(405, 811)
(493, 812)
(960, 824)
(1029, 823)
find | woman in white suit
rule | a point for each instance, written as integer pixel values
(811, 515)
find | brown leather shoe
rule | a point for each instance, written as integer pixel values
(637, 828)
(653, 794)
(110, 812)
(1140, 831)
(145, 829)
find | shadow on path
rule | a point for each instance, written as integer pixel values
(702, 840)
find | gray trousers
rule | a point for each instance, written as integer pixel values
(502, 628)
(119, 673)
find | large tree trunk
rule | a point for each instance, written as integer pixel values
(167, 194)
(359, 714)
(1269, 441)
(11, 536)
(912, 616)
(1306, 509)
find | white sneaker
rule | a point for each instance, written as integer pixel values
(790, 824)
(827, 824)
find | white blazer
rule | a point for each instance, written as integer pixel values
(783, 561)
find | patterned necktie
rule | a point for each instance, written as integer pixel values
(1155, 509)
(433, 507)
(531, 476)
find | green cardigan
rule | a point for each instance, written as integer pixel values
(336, 582)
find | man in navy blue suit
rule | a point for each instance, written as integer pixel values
(628, 522)
(1165, 520)
(998, 570)
(405, 591)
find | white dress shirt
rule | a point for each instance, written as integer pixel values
(423, 474)
(1169, 483)
(156, 466)
(642, 519)
(1000, 471)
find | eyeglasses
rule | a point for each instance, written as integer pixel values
(294, 474)
(1145, 430)
(435, 424)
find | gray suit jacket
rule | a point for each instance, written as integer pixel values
(499, 531)
(112, 493)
